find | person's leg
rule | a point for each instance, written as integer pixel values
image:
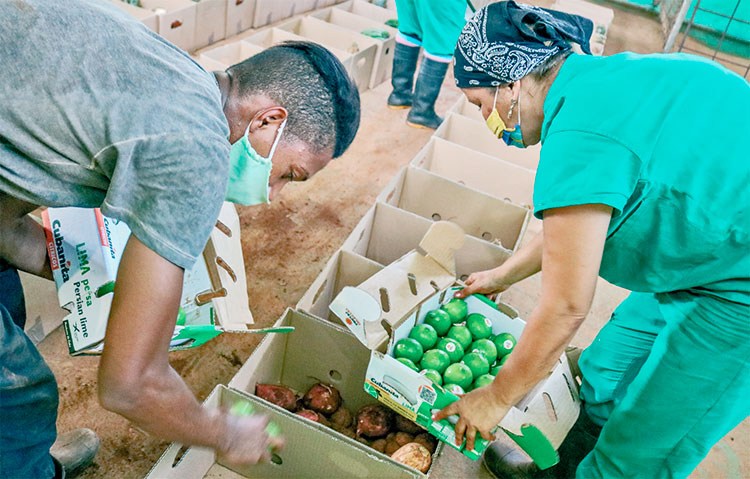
(441, 26)
(28, 392)
(690, 392)
(405, 55)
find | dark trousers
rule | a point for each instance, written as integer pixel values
(28, 391)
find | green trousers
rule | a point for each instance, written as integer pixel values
(432, 24)
(668, 376)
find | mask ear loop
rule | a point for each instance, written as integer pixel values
(276, 140)
(494, 102)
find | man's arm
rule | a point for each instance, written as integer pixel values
(22, 240)
(135, 378)
(573, 246)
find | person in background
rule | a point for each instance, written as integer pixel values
(643, 180)
(98, 111)
(433, 26)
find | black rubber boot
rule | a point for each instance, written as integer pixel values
(73, 452)
(402, 79)
(422, 114)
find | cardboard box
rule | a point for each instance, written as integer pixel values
(176, 21)
(476, 170)
(343, 269)
(210, 22)
(231, 54)
(240, 15)
(272, 36)
(475, 135)
(601, 16)
(386, 233)
(464, 108)
(385, 308)
(433, 197)
(368, 10)
(209, 64)
(315, 351)
(272, 11)
(85, 249)
(383, 65)
(360, 49)
(146, 17)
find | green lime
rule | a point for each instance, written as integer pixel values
(433, 376)
(483, 380)
(436, 359)
(452, 347)
(425, 335)
(504, 342)
(486, 347)
(503, 359)
(477, 363)
(454, 388)
(408, 348)
(440, 320)
(496, 368)
(461, 334)
(460, 374)
(479, 326)
(456, 308)
(408, 363)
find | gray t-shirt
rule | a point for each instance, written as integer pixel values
(98, 111)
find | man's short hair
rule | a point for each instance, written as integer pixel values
(311, 83)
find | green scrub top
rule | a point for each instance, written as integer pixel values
(665, 141)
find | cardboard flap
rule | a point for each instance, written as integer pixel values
(384, 300)
(441, 242)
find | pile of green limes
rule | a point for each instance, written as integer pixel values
(455, 349)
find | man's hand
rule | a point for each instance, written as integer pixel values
(245, 440)
(480, 411)
(23, 243)
(135, 378)
(488, 282)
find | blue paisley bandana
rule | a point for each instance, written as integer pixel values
(504, 41)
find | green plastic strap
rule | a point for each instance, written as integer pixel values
(106, 288)
(199, 334)
(536, 446)
(393, 23)
(471, 6)
(486, 300)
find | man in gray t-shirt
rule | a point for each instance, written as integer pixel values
(98, 111)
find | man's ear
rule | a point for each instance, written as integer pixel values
(272, 116)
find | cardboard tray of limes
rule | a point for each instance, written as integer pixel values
(413, 296)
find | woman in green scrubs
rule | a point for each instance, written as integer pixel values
(644, 180)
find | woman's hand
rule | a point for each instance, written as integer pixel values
(479, 412)
(246, 442)
(489, 282)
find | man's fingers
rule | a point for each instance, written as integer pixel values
(471, 434)
(487, 435)
(448, 410)
(277, 443)
(460, 428)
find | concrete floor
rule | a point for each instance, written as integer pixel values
(286, 245)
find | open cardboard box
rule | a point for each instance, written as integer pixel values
(464, 108)
(385, 233)
(272, 36)
(361, 49)
(239, 16)
(210, 22)
(480, 215)
(85, 249)
(368, 10)
(231, 54)
(384, 309)
(272, 11)
(477, 170)
(316, 350)
(146, 17)
(475, 135)
(177, 22)
(383, 65)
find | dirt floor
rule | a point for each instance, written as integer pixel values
(286, 245)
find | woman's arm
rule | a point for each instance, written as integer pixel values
(572, 250)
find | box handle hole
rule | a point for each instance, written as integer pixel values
(276, 459)
(550, 407)
(335, 375)
(435, 286)
(436, 217)
(464, 277)
(180, 454)
(319, 292)
(412, 283)
(385, 304)
(486, 236)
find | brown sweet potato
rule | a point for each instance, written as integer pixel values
(341, 419)
(349, 432)
(374, 421)
(405, 425)
(413, 455)
(278, 395)
(429, 441)
(391, 446)
(378, 445)
(314, 416)
(403, 438)
(322, 398)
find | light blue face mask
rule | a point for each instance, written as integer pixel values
(249, 173)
